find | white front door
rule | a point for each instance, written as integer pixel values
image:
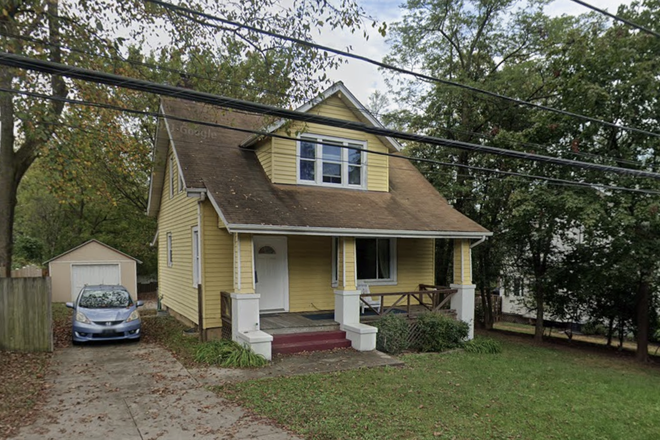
(271, 272)
(90, 274)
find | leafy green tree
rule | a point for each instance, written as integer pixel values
(100, 35)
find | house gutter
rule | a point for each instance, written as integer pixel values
(352, 232)
(478, 242)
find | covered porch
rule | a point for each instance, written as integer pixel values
(336, 299)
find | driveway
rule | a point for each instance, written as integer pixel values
(136, 391)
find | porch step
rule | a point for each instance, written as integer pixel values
(313, 341)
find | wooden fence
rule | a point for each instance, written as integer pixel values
(25, 314)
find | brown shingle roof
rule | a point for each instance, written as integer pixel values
(210, 158)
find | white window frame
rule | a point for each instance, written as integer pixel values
(334, 267)
(318, 161)
(196, 257)
(392, 280)
(170, 258)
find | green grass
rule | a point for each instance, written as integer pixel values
(526, 392)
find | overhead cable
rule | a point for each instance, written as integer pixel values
(49, 67)
(618, 18)
(183, 10)
(284, 137)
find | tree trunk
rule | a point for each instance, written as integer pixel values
(8, 181)
(643, 301)
(7, 207)
(538, 331)
(610, 332)
(489, 317)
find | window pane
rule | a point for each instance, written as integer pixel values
(365, 249)
(331, 153)
(332, 173)
(383, 258)
(307, 150)
(354, 175)
(306, 170)
(354, 157)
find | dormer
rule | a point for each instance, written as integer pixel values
(327, 156)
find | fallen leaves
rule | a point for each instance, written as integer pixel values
(22, 385)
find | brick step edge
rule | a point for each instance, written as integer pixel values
(297, 347)
(312, 336)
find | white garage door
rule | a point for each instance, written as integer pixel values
(82, 274)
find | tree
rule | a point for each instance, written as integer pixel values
(490, 45)
(93, 35)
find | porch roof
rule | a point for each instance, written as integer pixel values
(212, 162)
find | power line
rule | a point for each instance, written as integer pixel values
(184, 73)
(618, 18)
(49, 67)
(274, 135)
(183, 10)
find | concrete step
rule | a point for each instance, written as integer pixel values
(314, 341)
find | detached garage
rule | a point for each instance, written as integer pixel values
(92, 262)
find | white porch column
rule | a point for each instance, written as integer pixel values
(463, 300)
(347, 306)
(347, 299)
(245, 324)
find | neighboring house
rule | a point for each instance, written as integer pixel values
(293, 225)
(91, 263)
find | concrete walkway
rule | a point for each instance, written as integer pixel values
(136, 391)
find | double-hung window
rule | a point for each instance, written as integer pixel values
(376, 260)
(331, 161)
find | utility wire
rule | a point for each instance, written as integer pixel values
(284, 137)
(183, 11)
(360, 107)
(49, 67)
(618, 18)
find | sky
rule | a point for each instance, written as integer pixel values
(363, 79)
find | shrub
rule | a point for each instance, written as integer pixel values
(392, 336)
(483, 346)
(439, 332)
(228, 354)
(593, 328)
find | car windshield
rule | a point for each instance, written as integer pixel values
(105, 299)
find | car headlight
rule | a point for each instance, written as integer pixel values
(134, 315)
(80, 317)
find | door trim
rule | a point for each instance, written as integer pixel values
(282, 239)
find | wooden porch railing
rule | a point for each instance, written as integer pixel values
(225, 314)
(432, 298)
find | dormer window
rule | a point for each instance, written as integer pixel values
(330, 161)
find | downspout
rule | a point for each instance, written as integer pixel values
(478, 242)
(200, 293)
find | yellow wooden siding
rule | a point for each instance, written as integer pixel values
(217, 264)
(310, 273)
(265, 156)
(415, 266)
(284, 160)
(177, 215)
(462, 262)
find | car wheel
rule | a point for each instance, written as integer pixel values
(74, 342)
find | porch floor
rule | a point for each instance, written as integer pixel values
(282, 323)
(300, 322)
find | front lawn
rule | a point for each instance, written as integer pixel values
(526, 392)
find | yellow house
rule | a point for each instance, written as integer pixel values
(293, 219)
